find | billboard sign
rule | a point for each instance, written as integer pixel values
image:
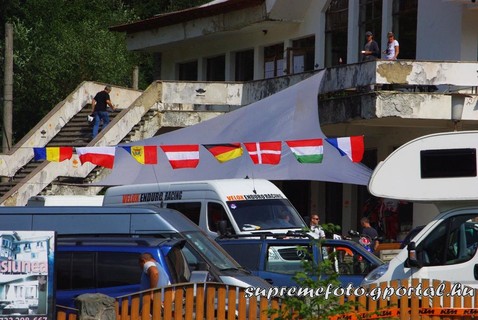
(26, 275)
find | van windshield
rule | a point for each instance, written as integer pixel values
(211, 251)
(265, 214)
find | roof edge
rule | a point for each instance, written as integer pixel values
(176, 17)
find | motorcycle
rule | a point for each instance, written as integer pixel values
(362, 239)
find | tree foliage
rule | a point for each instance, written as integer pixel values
(60, 43)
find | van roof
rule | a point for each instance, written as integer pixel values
(96, 219)
(432, 168)
(223, 187)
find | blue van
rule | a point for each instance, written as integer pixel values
(109, 265)
(204, 256)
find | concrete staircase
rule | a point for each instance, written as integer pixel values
(164, 105)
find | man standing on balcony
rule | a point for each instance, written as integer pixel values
(99, 105)
(371, 50)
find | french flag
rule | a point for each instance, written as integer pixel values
(101, 156)
(352, 147)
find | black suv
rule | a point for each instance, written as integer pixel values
(276, 258)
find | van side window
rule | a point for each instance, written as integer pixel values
(216, 213)
(63, 270)
(118, 269)
(178, 266)
(75, 270)
(347, 261)
(192, 210)
(454, 241)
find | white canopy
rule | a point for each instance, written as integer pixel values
(287, 115)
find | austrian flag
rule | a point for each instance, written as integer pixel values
(264, 152)
(307, 151)
(182, 156)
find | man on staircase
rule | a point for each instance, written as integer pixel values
(99, 105)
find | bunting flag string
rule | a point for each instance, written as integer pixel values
(187, 156)
(264, 152)
(143, 154)
(182, 156)
(55, 154)
(101, 156)
(225, 152)
(352, 147)
(307, 151)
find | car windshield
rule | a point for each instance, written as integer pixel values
(211, 251)
(267, 214)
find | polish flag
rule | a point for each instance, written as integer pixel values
(182, 156)
(353, 147)
(264, 152)
(101, 156)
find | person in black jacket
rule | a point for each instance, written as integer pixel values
(99, 111)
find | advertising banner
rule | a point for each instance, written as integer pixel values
(26, 275)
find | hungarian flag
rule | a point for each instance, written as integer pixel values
(143, 154)
(353, 147)
(224, 152)
(101, 156)
(55, 154)
(264, 152)
(307, 151)
(182, 156)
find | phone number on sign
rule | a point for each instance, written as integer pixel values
(24, 318)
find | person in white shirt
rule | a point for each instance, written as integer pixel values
(393, 48)
(315, 227)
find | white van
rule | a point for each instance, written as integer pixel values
(80, 200)
(439, 169)
(246, 205)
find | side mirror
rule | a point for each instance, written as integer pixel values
(413, 260)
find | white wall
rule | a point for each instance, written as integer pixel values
(439, 30)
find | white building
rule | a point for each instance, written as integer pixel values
(246, 40)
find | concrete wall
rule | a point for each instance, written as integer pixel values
(439, 30)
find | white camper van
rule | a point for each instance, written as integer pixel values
(246, 205)
(439, 169)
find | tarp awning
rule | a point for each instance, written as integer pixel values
(287, 115)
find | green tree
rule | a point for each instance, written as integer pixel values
(59, 43)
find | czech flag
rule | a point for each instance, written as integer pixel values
(264, 152)
(54, 154)
(101, 156)
(352, 147)
(144, 154)
(225, 152)
(182, 156)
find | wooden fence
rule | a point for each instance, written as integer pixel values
(415, 300)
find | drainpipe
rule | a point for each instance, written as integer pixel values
(8, 90)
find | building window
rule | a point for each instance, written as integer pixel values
(370, 20)
(274, 61)
(244, 65)
(188, 71)
(216, 68)
(301, 57)
(336, 23)
(405, 27)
